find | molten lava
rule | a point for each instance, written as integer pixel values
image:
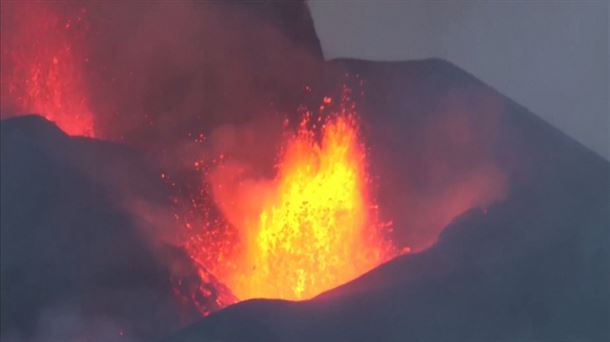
(42, 72)
(310, 229)
(317, 229)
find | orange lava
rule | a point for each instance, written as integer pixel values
(315, 231)
(41, 71)
(312, 228)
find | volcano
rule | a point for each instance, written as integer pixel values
(428, 206)
(530, 266)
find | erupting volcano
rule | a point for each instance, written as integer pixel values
(312, 228)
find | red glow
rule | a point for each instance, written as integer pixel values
(312, 228)
(42, 71)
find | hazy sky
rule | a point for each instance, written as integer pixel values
(550, 56)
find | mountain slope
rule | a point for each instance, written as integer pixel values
(72, 252)
(530, 265)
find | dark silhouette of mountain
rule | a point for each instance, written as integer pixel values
(532, 265)
(70, 247)
(290, 17)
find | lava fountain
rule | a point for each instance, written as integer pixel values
(311, 228)
(316, 230)
(42, 71)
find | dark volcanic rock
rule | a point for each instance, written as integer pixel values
(530, 266)
(71, 252)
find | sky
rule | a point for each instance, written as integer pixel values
(551, 57)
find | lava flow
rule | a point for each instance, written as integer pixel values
(310, 229)
(41, 70)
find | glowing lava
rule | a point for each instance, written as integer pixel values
(312, 228)
(41, 70)
(317, 230)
